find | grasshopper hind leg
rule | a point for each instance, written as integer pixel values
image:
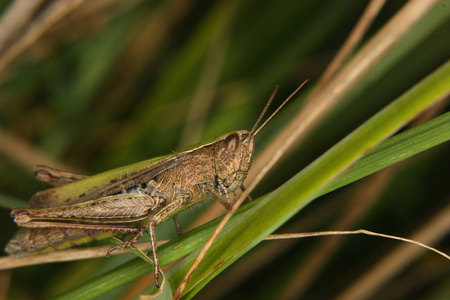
(135, 239)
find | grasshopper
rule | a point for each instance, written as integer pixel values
(132, 199)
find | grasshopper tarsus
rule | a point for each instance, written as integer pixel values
(158, 276)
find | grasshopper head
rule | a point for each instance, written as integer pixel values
(232, 157)
(233, 152)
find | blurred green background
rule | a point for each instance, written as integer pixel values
(117, 82)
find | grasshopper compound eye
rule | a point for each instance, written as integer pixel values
(232, 142)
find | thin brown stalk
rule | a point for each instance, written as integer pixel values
(373, 280)
(362, 199)
(268, 252)
(366, 232)
(322, 101)
(25, 154)
(406, 284)
(209, 243)
(215, 210)
(352, 41)
(17, 15)
(52, 14)
(8, 262)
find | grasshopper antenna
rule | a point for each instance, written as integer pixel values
(254, 130)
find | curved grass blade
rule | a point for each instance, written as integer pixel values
(287, 200)
(261, 217)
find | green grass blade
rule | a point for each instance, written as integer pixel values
(11, 202)
(396, 149)
(259, 218)
(286, 201)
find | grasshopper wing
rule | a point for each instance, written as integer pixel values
(104, 184)
(55, 177)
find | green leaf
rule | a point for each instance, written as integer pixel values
(11, 202)
(264, 215)
(275, 209)
(115, 90)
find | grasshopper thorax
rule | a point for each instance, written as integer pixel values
(232, 158)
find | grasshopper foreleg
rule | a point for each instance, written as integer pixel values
(157, 271)
(128, 243)
(222, 190)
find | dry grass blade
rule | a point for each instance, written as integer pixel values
(54, 13)
(15, 18)
(361, 200)
(390, 265)
(352, 41)
(326, 98)
(25, 154)
(9, 262)
(360, 231)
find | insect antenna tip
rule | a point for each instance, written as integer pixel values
(255, 131)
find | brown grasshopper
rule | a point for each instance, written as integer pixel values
(134, 198)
